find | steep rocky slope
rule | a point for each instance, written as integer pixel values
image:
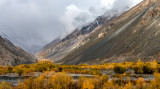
(133, 35)
(57, 50)
(42, 52)
(13, 55)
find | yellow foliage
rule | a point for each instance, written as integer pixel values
(88, 84)
(5, 85)
(155, 84)
(60, 81)
(109, 85)
(26, 84)
(140, 83)
(128, 86)
(51, 79)
(104, 78)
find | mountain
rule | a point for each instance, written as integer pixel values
(59, 48)
(13, 55)
(22, 42)
(42, 52)
(133, 35)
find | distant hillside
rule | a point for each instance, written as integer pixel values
(13, 55)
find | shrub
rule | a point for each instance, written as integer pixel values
(88, 84)
(158, 68)
(26, 66)
(104, 78)
(40, 68)
(51, 66)
(58, 81)
(9, 69)
(155, 84)
(5, 85)
(61, 81)
(19, 71)
(140, 83)
(60, 69)
(26, 84)
(119, 69)
(138, 69)
(96, 72)
(158, 62)
(147, 69)
(128, 86)
(143, 69)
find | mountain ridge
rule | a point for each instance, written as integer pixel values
(129, 36)
(122, 38)
(13, 55)
(75, 39)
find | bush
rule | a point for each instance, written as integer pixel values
(158, 62)
(61, 81)
(147, 69)
(104, 78)
(96, 72)
(88, 84)
(9, 69)
(60, 69)
(40, 68)
(19, 71)
(119, 69)
(140, 83)
(155, 84)
(158, 68)
(26, 66)
(26, 84)
(143, 69)
(138, 69)
(5, 85)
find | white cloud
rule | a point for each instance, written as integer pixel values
(75, 15)
(134, 2)
(70, 14)
(107, 3)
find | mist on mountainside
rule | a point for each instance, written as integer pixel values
(32, 24)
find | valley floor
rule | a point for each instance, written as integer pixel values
(46, 75)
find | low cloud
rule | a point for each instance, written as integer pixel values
(74, 16)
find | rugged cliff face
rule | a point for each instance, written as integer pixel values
(133, 35)
(13, 55)
(57, 50)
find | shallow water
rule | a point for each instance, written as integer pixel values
(12, 79)
(15, 79)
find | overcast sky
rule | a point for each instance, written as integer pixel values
(31, 24)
